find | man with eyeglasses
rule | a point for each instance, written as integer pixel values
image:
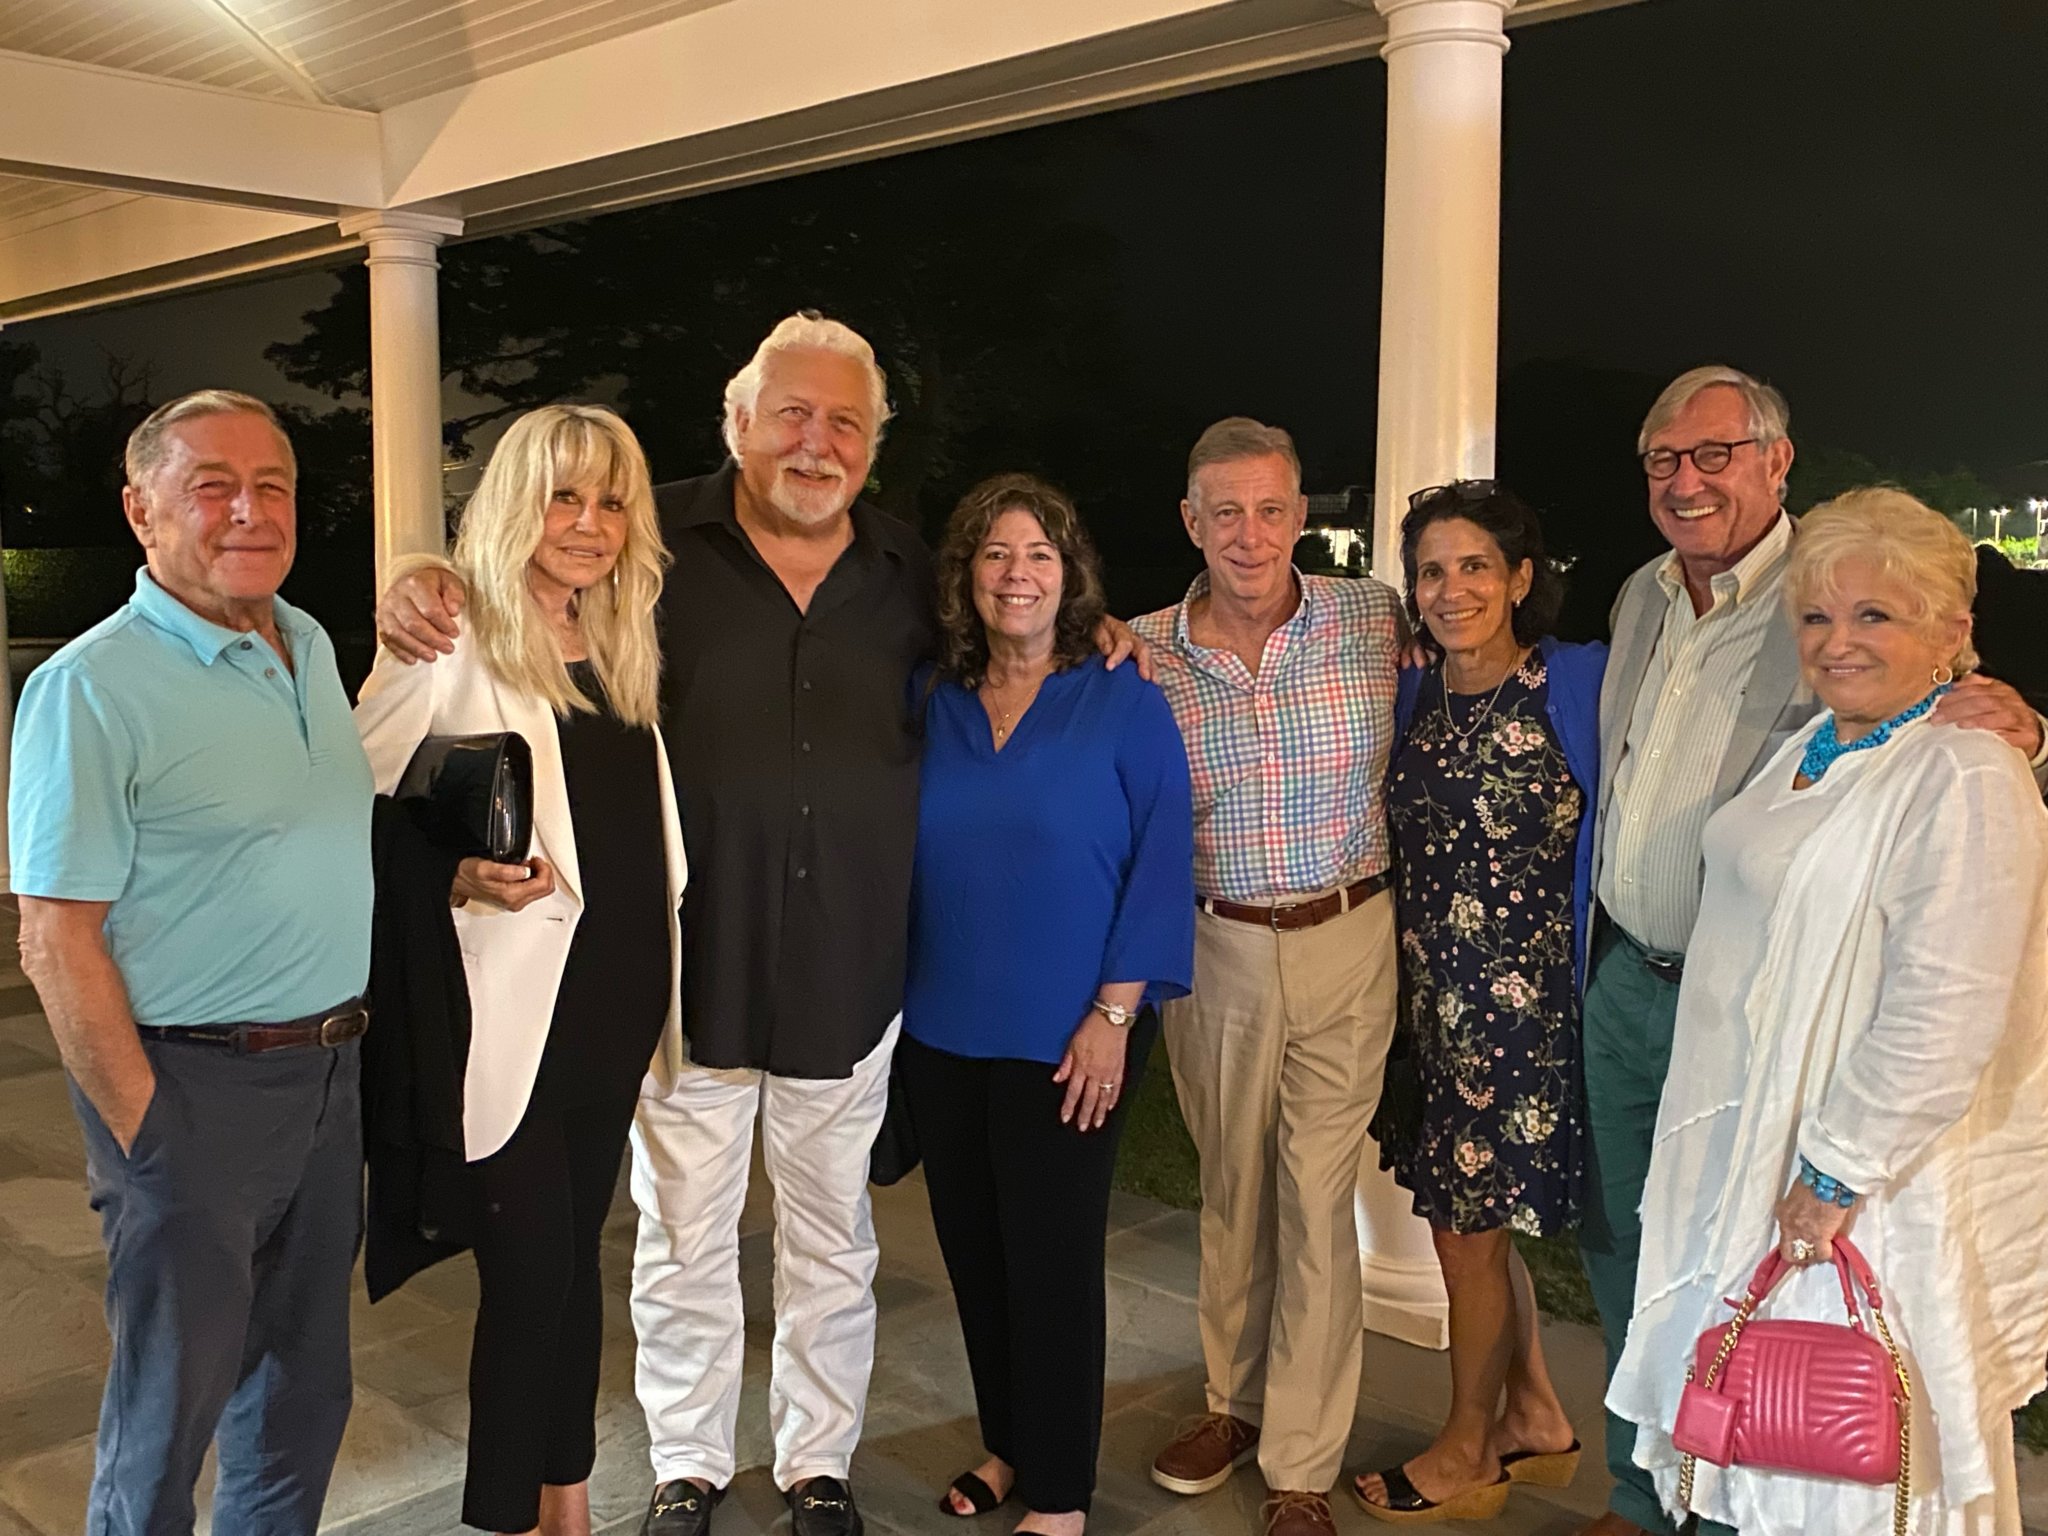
(1702, 687)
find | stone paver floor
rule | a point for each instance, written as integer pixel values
(402, 1463)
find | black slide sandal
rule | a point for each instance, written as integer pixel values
(975, 1492)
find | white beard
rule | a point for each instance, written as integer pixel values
(810, 504)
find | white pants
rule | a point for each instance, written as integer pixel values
(691, 1153)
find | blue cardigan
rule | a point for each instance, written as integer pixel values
(1574, 710)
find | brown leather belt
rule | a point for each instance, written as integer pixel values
(335, 1026)
(1288, 916)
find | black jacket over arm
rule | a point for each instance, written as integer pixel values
(421, 1203)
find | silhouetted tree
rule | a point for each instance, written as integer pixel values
(62, 449)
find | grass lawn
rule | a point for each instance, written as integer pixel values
(1158, 1160)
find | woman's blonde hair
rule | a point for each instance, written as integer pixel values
(1908, 541)
(545, 450)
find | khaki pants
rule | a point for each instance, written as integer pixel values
(1277, 1056)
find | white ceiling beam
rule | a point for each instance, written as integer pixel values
(708, 99)
(111, 128)
(143, 245)
(666, 112)
(726, 66)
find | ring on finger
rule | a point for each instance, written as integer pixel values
(1803, 1252)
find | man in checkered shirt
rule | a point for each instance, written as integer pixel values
(1283, 685)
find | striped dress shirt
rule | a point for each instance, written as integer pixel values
(1288, 764)
(1679, 731)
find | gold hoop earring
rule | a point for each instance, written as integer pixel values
(1943, 676)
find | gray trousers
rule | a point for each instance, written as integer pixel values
(231, 1227)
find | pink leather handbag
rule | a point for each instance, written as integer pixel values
(1824, 1399)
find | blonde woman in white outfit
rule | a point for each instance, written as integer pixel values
(1862, 1046)
(571, 959)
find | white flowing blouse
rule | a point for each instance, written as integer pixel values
(1868, 985)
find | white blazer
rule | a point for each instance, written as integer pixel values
(512, 960)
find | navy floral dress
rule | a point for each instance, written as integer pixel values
(1485, 816)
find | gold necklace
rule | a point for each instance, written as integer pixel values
(1005, 716)
(1451, 720)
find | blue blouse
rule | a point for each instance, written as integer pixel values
(1061, 863)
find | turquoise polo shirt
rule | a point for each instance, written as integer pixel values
(217, 798)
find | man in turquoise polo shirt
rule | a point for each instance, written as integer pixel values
(190, 820)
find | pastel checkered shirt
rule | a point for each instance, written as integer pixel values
(1289, 766)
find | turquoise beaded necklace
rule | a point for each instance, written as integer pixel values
(1823, 747)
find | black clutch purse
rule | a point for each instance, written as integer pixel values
(895, 1152)
(1397, 1122)
(478, 792)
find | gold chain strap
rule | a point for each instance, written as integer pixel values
(1902, 1495)
(1743, 1313)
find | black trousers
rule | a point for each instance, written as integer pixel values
(1021, 1205)
(540, 1313)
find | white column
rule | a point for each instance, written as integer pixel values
(1440, 267)
(1439, 334)
(405, 377)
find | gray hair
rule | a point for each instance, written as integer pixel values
(805, 331)
(1770, 419)
(1908, 541)
(146, 449)
(1240, 437)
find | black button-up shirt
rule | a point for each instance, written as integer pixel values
(795, 750)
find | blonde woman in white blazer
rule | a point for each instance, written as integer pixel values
(572, 958)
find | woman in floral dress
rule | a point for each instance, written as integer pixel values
(1489, 796)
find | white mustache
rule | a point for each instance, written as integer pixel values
(812, 466)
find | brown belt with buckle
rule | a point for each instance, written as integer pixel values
(334, 1026)
(1288, 916)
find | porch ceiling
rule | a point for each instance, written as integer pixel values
(156, 144)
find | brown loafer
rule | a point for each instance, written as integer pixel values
(1295, 1512)
(1204, 1454)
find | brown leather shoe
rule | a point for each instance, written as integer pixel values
(1292, 1512)
(1611, 1524)
(1204, 1454)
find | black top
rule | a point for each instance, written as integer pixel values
(614, 994)
(795, 757)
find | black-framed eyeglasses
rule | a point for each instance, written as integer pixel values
(1707, 458)
(1457, 490)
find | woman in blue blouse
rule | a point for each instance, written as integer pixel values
(1489, 797)
(1053, 900)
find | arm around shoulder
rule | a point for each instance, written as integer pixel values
(421, 603)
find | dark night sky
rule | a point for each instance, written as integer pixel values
(1846, 196)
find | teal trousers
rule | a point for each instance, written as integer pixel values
(1628, 1018)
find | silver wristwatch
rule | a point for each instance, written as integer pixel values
(1120, 1016)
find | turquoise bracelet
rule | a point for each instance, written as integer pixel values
(1833, 1191)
